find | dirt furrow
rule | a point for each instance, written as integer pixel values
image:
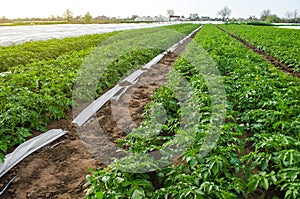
(59, 170)
(281, 66)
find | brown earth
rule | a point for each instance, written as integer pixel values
(59, 170)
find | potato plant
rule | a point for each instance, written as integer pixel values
(39, 91)
(280, 43)
(258, 147)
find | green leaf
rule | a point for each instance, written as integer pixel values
(141, 182)
(252, 185)
(193, 162)
(138, 194)
(205, 175)
(209, 188)
(99, 194)
(215, 169)
(265, 164)
(273, 179)
(265, 183)
(292, 175)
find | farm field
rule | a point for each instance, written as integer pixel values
(241, 133)
(282, 44)
(29, 52)
(257, 153)
(10, 35)
(38, 90)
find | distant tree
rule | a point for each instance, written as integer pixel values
(252, 18)
(295, 14)
(264, 14)
(170, 13)
(68, 15)
(160, 18)
(273, 19)
(133, 17)
(78, 18)
(87, 18)
(292, 17)
(224, 13)
(3, 19)
(289, 14)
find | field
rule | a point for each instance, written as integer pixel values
(258, 147)
(37, 87)
(281, 44)
(231, 121)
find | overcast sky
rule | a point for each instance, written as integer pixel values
(125, 8)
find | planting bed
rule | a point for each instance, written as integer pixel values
(245, 143)
(257, 154)
(59, 170)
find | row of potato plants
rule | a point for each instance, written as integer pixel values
(258, 147)
(280, 43)
(35, 94)
(34, 51)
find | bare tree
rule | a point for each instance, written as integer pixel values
(170, 13)
(295, 14)
(264, 14)
(289, 14)
(68, 15)
(224, 13)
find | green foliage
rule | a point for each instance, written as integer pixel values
(261, 101)
(266, 103)
(35, 51)
(87, 18)
(34, 94)
(283, 44)
(273, 19)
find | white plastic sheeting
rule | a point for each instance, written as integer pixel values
(10, 35)
(40, 141)
(117, 91)
(29, 147)
(91, 109)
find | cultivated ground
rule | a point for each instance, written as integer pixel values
(59, 169)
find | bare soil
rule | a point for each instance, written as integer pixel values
(59, 170)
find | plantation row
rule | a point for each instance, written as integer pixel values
(258, 147)
(283, 44)
(29, 52)
(34, 94)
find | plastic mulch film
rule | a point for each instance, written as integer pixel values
(91, 109)
(116, 92)
(40, 141)
(29, 147)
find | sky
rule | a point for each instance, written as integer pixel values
(126, 8)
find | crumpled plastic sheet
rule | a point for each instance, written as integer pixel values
(40, 141)
(29, 147)
(116, 92)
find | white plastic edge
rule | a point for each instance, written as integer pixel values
(29, 147)
(90, 110)
(42, 140)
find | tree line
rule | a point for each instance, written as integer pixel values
(265, 16)
(225, 13)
